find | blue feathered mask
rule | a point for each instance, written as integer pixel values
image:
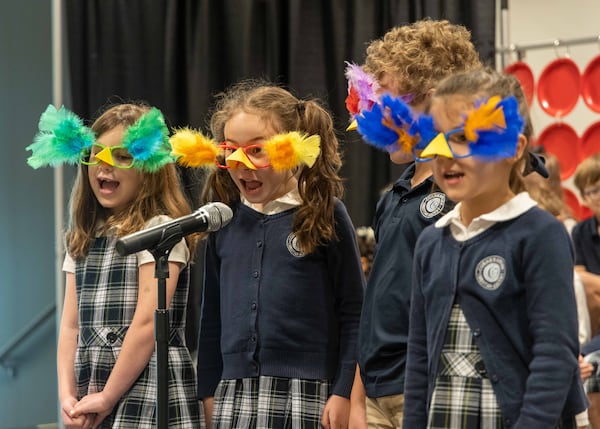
(491, 130)
(391, 125)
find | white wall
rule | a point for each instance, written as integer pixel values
(533, 21)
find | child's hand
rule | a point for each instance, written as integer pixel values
(84, 421)
(585, 368)
(336, 413)
(96, 405)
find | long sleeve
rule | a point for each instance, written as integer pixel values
(210, 363)
(416, 381)
(349, 286)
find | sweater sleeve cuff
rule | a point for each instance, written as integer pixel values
(342, 386)
(208, 380)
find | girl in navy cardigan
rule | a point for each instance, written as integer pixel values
(493, 325)
(283, 280)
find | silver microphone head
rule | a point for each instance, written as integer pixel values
(219, 215)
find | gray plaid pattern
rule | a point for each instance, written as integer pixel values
(463, 397)
(269, 402)
(592, 384)
(107, 288)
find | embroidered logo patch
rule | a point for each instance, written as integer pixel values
(292, 245)
(433, 204)
(490, 272)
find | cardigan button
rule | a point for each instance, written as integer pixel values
(476, 332)
(253, 306)
(259, 244)
(255, 274)
(494, 378)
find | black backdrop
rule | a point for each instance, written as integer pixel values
(176, 54)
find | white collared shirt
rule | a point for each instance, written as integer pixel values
(278, 205)
(513, 208)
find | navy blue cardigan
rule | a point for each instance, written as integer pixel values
(514, 283)
(269, 310)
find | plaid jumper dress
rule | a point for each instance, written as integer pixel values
(267, 402)
(107, 291)
(463, 397)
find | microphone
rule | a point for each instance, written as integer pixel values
(211, 217)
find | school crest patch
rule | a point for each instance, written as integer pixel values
(490, 272)
(433, 204)
(292, 246)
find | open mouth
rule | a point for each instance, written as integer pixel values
(450, 175)
(251, 185)
(108, 185)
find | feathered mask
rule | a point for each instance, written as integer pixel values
(491, 131)
(62, 138)
(392, 125)
(281, 152)
(362, 91)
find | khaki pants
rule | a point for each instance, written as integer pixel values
(385, 412)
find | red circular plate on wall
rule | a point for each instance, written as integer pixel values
(561, 140)
(579, 211)
(590, 84)
(590, 141)
(523, 73)
(559, 86)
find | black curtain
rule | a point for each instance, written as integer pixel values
(176, 54)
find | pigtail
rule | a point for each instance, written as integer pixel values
(220, 187)
(314, 223)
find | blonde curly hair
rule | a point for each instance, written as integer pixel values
(418, 55)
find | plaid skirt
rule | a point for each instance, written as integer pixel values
(267, 402)
(107, 291)
(463, 397)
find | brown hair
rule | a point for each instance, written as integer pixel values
(420, 54)
(587, 172)
(548, 193)
(487, 82)
(160, 193)
(314, 221)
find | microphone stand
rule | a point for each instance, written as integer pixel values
(171, 236)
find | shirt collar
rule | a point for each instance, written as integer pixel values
(278, 205)
(513, 208)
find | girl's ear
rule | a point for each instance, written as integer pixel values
(521, 147)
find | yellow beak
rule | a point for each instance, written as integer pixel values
(353, 126)
(105, 155)
(239, 157)
(437, 147)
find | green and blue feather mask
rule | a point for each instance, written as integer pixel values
(63, 138)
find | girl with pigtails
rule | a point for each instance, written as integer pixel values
(283, 281)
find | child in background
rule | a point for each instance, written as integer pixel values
(126, 182)
(407, 62)
(548, 192)
(493, 322)
(586, 238)
(366, 246)
(283, 281)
